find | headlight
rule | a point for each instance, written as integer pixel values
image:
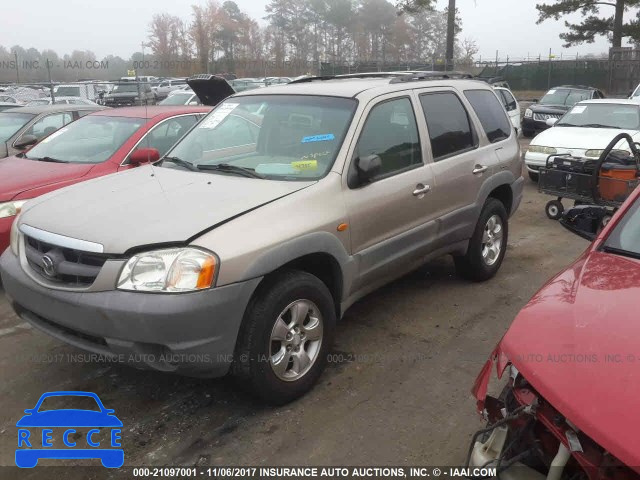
(170, 270)
(528, 113)
(13, 237)
(545, 150)
(597, 153)
(11, 209)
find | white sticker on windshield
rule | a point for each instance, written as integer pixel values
(551, 92)
(579, 109)
(54, 135)
(222, 112)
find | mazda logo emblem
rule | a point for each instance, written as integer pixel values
(48, 266)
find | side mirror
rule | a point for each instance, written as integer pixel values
(368, 168)
(144, 155)
(551, 122)
(586, 221)
(25, 141)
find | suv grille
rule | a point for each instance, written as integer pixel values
(65, 266)
(543, 117)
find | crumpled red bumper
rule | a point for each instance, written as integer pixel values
(481, 384)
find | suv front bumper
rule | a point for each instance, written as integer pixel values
(191, 334)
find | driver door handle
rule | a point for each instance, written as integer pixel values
(480, 169)
(421, 190)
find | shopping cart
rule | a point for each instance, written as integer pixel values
(607, 181)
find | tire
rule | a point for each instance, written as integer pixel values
(529, 133)
(534, 176)
(256, 347)
(554, 209)
(481, 262)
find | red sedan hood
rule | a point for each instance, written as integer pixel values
(18, 175)
(578, 343)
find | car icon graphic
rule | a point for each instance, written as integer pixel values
(31, 448)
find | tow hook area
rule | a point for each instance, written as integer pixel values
(490, 452)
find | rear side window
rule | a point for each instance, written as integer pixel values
(491, 114)
(448, 122)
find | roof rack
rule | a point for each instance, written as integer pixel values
(346, 77)
(431, 76)
(396, 77)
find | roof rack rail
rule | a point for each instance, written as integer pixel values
(431, 76)
(346, 77)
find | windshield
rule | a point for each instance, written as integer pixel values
(91, 139)
(68, 92)
(625, 237)
(10, 123)
(565, 96)
(284, 137)
(604, 115)
(125, 88)
(177, 99)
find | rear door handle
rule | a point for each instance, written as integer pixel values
(480, 169)
(421, 190)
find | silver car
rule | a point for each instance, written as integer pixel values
(242, 247)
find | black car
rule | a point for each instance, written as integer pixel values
(555, 103)
(130, 94)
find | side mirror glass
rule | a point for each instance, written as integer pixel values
(368, 168)
(144, 155)
(25, 141)
(586, 221)
(551, 121)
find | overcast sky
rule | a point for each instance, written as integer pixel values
(119, 26)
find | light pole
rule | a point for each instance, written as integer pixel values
(451, 33)
(15, 54)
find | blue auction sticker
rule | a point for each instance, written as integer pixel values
(319, 138)
(33, 446)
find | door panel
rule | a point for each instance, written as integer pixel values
(389, 216)
(457, 153)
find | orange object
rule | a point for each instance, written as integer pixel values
(342, 227)
(614, 182)
(205, 279)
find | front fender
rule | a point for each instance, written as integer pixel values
(286, 252)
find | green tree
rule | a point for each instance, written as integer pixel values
(593, 23)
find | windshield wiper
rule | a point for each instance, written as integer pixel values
(48, 159)
(599, 125)
(227, 168)
(621, 252)
(181, 163)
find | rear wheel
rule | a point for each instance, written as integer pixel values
(534, 176)
(488, 244)
(285, 337)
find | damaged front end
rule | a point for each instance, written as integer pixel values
(527, 438)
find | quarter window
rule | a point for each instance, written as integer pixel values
(391, 133)
(490, 113)
(448, 122)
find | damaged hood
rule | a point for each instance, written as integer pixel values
(578, 343)
(150, 205)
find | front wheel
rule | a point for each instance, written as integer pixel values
(488, 244)
(534, 176)
(554, 209)
(285, 337)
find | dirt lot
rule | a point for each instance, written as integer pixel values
(396, 394)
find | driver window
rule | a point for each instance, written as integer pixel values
(391, 133)
(166, 134)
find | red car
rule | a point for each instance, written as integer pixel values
(98, 144)
(570, 408)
